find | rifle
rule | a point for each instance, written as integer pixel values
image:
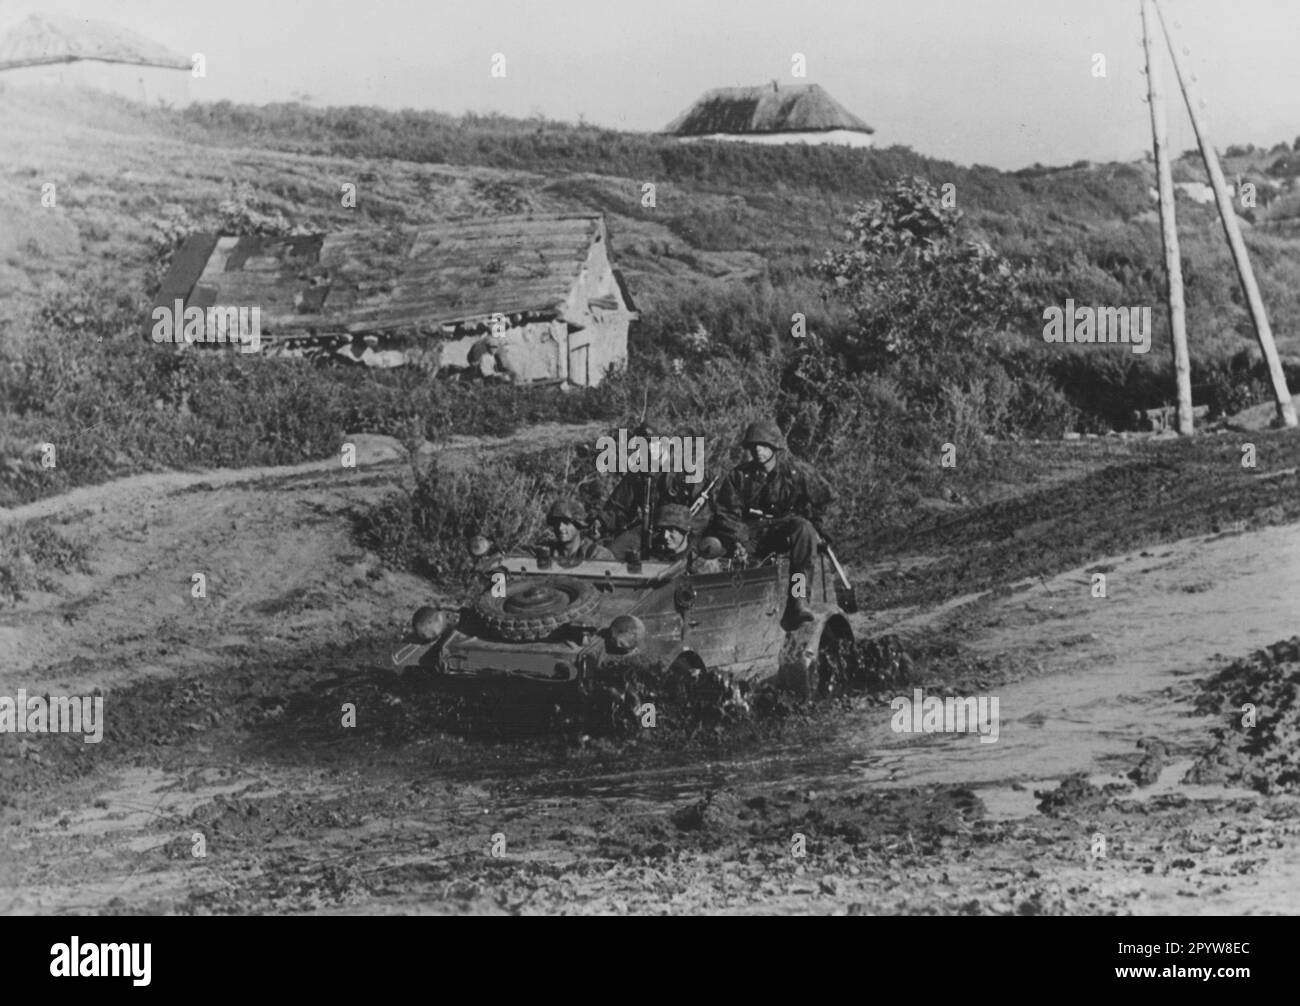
(703, 497)
(845, 596)
(646, 517)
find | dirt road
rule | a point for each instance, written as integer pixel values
(224, 736)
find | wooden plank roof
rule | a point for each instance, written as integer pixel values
(375, 279)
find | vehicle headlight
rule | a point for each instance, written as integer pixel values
(626, 633)
(429, 623)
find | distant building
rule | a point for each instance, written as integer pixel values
(50, 49)
(800, 113)
(541, 288)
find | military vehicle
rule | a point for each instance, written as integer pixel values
(573, 629)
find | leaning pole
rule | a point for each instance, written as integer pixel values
(1169, 231)
(1285, 408)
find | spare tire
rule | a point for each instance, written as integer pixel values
(532, 609)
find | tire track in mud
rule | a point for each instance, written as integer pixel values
(399, 815)
(1179, 490)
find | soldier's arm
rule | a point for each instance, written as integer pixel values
(728, 522)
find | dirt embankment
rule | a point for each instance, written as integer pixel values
(224, 733)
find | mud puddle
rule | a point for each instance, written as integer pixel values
(1116, 670)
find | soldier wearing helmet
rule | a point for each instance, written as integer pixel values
(567, 520)
(672, 540)
(634, 500)
(767, 504)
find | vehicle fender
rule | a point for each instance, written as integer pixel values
(797, 665)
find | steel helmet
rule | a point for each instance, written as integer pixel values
(763, 431)
(570, 510)
(673, 515)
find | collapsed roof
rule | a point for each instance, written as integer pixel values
(446, 275)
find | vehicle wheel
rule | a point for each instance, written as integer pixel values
(533, 609)
(820, 662)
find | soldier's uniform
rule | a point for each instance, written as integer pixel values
(698, 565)
(574, 512)
(623, 513)
(589, 549)
(773, 511)
(674, 515)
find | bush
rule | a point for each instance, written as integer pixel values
(427, 529)
(918, 287)
(1229, 385)
(28, 553)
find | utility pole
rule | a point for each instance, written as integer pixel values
(1169, 231)
(1285, 408)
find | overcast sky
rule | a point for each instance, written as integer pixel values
(999, 82)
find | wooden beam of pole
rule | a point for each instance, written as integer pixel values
(1285, 409)
(1169, 231)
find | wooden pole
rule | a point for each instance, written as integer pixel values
(1169, 232)
(1285, 408)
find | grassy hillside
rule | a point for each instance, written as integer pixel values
(728, 219)
(720, 261)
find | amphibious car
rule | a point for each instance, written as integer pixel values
(560, 628)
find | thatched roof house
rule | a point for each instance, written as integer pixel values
(544, 284)
(54, 49)
(53, 38)
(801, 113)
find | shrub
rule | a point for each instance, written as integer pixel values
(427, 528)
(28, 553)
(918, 287)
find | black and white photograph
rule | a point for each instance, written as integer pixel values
(679, 459)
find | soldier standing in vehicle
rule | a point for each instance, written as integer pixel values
(768, 505)
(567, 520)
(626, 513)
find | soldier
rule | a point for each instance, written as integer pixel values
(567, 520)
(624, 514)
(767, 505)
(672, 541)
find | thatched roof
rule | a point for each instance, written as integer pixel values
(769, 108)
(383, 279)
(53, 38)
